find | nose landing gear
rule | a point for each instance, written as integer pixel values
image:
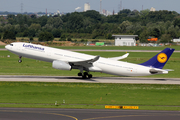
(20, 59)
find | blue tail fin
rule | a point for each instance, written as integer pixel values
(160, 59)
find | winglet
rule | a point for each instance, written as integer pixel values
(159, 60)
(94, 60)
(120, 57)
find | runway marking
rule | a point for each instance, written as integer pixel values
(41, 113)
(127, 116)
(114, 117)
(63, 115)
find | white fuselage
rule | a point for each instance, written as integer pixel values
(104, 65)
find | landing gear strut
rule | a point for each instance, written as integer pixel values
(85, 75)
(20, 59)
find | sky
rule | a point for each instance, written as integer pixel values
(68, 6)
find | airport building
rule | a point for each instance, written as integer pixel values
(176, 40)
(125, 40)
(152, 9)
(86, 7)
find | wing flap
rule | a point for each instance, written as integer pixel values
(84, 62)
(87, 64)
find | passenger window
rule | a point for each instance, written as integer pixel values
(11, 44)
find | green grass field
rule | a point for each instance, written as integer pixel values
(89, 95)
(2, 46)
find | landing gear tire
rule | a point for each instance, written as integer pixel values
(85, 75)
(80, 74)
(90, 76)
(19, 61)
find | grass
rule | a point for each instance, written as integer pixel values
(2, 46)
(10, 65)
(89, 95)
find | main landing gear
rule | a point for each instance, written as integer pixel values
(20, 59)
(85, 75)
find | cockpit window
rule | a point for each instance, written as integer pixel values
(11, 44)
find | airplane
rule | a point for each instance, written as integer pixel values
(67, 60)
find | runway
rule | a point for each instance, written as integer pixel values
(131, 80)
(84, 114)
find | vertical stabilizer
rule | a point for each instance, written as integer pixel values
(160, 59)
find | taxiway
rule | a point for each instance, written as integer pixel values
(85, 114)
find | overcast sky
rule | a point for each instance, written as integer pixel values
(70, 5)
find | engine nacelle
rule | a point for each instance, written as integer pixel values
(61, 65)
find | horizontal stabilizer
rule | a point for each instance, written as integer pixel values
(158, 71)
(120, 57)
(168, 69)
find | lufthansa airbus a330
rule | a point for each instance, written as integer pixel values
(67, 60)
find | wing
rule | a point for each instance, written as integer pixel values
(86, 64)
(120, 57)
(90, 61)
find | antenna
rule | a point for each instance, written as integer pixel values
(121, 5)
(100, 7)
(21, 7)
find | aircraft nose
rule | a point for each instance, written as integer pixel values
(7, 47)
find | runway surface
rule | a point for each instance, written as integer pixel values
(84, 114)
(134, 80)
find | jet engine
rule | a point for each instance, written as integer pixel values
(61, 65)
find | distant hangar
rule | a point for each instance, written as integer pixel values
(125, 40)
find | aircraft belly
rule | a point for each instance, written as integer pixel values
(123, 69)
(143, 71)
(112, 69)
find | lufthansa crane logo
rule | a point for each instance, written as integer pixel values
(162, 57)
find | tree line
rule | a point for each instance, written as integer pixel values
(164, 25)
